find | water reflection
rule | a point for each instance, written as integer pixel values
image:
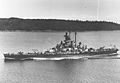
(14, 60)
(63, 71)
(66, 70)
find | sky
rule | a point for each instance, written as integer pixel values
(101, 10)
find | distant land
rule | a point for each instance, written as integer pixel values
(13, 24)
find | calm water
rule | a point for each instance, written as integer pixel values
(62, 71)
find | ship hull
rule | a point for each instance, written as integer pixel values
(81, 55)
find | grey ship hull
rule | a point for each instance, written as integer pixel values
(81, 55)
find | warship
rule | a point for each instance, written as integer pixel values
(67, 48)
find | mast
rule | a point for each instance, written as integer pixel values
(69, 34)
(75, 39)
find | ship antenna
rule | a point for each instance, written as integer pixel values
(75, 38)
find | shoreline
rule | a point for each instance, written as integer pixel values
(53, 30)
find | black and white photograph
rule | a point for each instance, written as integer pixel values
(59, 41)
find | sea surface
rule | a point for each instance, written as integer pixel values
(54, 70)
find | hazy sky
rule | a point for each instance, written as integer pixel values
(62, 9)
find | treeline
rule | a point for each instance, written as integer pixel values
(55, 25)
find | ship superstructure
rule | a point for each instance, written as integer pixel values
(69, 46)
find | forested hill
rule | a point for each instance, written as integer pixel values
(55, 25)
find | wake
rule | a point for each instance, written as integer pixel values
(60, 58)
